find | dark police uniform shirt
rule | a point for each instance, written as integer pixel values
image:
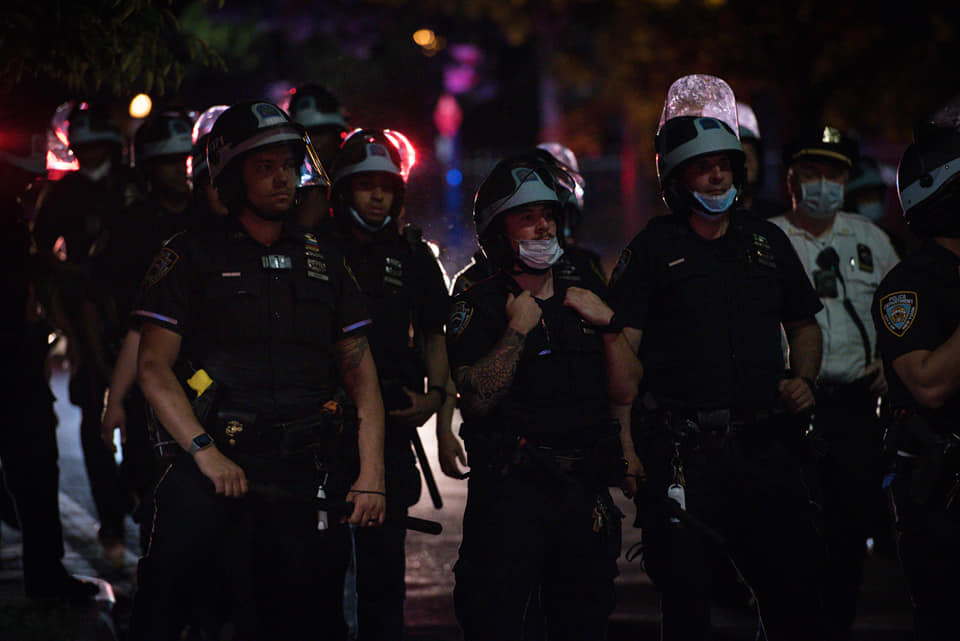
(558, 397)
(260, 320)
(711, 310)
(131, 242)
(917, 307)
(407, 298)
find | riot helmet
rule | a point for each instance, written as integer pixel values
(163, 134)
(699, 119)
(199, 136)
(250, 126)
(366, 151)
(524, 179)
(319, 112)
(572, 202)
(928, 180)
(91, 123)
(313, 105)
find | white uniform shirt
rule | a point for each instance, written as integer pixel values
(866, 255)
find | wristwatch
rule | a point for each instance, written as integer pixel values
(200, 442)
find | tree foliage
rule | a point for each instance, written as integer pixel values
(108, 47)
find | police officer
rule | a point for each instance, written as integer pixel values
(408, 299)
(262, 318)
(78, 208)
(845, 255)
(319, 111)
(540, 532)
(700, 296)
(28, 442)
(916, 311)
(753, 150)
(162, 145)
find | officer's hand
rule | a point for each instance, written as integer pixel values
(369, 500)
(449, 453)
(422, 407)
(228, 478)
(796, 395)
(635, 476)
(523, 312)
(589, 306)
(875, 371)
(114, 418)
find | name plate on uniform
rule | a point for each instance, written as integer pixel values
(276, 261)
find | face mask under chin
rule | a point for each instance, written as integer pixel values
(539, 255)
(712, 207)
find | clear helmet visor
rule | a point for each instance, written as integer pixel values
(312, 173)
(204, 123)
(748, 120)
(701, 95)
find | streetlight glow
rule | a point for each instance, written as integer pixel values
(140, 106)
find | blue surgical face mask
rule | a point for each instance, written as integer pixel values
(872, 209)
(540, 254)
(362, 224)
(713, 206)
(821, 198)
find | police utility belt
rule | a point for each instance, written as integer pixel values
(241, 431)
(718, 423)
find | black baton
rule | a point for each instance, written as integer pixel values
(427, 472)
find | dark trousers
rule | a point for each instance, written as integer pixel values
(381, 551)
(109, 497)
(846, 476)
(929, 546)
(529, 547)
(750, 496)
(28, 452)
(141, 468)
(262, 564)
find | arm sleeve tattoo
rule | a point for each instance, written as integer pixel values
(487, 381)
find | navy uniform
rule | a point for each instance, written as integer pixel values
(407, 296)
(540, 531)
(261, 322)
(702, 294)
(531, 527)
(710, 312)
(916, 311)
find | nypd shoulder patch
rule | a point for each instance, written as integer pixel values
(459, 318)
(161, 266)
(898, 311)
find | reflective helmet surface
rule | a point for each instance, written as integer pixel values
(91, 123)
(522, 179)
(366, 150)
(200, 135)
(166, 133)
(928, 175)
(253, 125)
(568, 161)
(313, 105)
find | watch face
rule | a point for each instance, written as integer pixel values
(203, 440)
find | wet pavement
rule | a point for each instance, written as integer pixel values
(884, 612)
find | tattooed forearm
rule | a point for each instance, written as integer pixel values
(483, 384)
(350, 352)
